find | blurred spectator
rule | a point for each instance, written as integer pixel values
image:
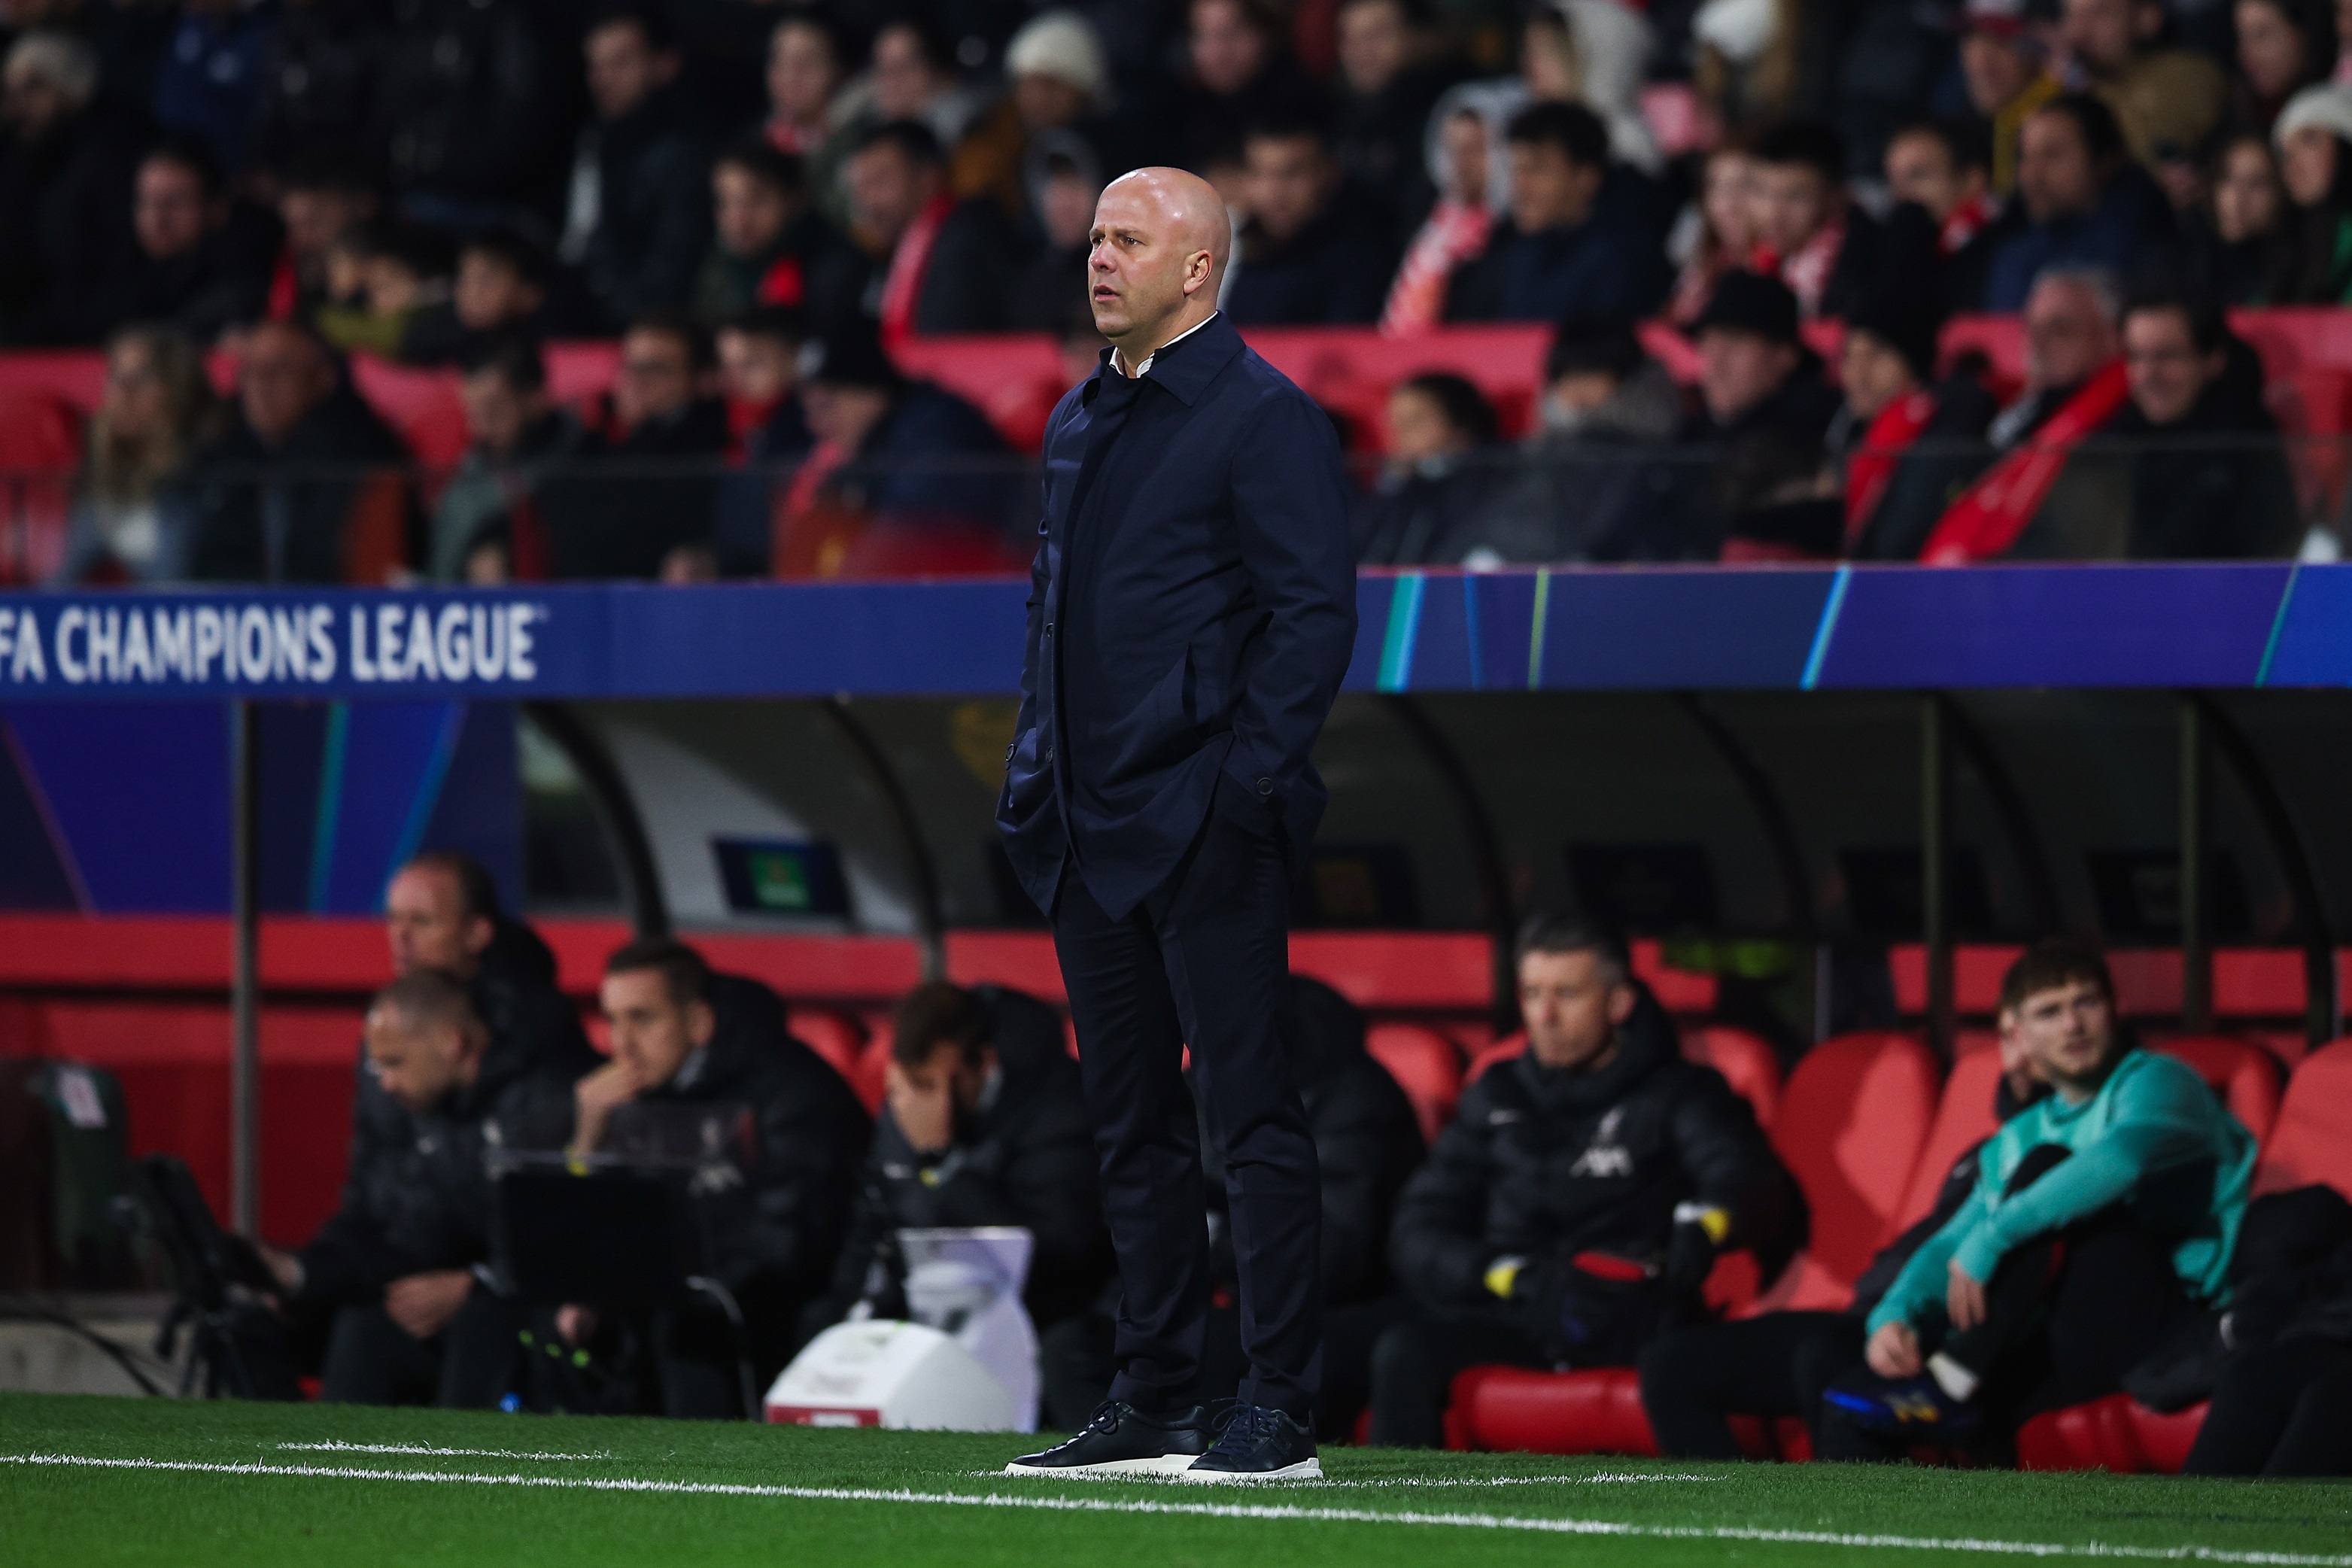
(1595, 53)
(1754, 368)
(640, 211)
(211, 83)
(641, 506)
(1469, 164)
(1437, 477)
(1311, 254)
(1762, 395)
(201, 263)
(2073, 384)
(486, 526)
(402, 270)
(2313, 133)
(897, 463)
(1807, 234)
(1939, 168)
(758, 371)
(1391, 75)
(2245, 255)
(1578, 1199)
(2207, 474)
(944, 265)
(2167, 101)
(1063, 179)
(1585, 489)
(65, 178)
(770, 245)
(984, 1123)
(1060, 83)
(129, 521)
(1578, 240)
(2283, 45)
(913, 78)
(319, 200)
(804, 76)
(1909, 442)
(317, 85)
(466, 109)
(1716, 233)
(506, 283)
(690, 1046)
(1239, 73)
(2005, 69)
(309, 485)
(2084, 204)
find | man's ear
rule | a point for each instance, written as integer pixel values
(1622, 998)
(480, 932)
(1199, 268)
(702, 1023)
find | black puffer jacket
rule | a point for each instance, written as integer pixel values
(537, 1050)
(1542, 1163)
(417, 1195)
(1026, 1157)
(1366, 1142)
(780, 1228)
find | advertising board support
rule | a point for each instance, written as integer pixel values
(2195, 838)
(245, 981)
(1935, 869)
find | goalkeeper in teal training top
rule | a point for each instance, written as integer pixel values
(2098, 1234)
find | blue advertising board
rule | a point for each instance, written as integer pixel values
(2208, 626)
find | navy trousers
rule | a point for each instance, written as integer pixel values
(1205, 961)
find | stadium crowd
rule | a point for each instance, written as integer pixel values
(763, 200)
(1569, 1214)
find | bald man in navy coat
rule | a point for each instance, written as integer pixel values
(1193, 611)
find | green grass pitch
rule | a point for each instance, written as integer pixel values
(88, 1481)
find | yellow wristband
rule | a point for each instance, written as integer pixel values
(1501, 1277)
(1716, 1223)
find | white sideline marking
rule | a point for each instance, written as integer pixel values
(333, 1447)
(1215, 1511)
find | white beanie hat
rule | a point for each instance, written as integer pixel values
(1062, 45)
(2326, 104)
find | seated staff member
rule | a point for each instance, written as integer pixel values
(386, 1303)
(983, 1124)
(685, 1040)
(2100, 1217)
(1778, 1363)
(1576, 1204)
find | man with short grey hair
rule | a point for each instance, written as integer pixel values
(1581, 1193)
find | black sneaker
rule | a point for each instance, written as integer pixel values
(1258, 1444)
(1123, 1440)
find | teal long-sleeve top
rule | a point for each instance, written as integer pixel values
(2153, 1137)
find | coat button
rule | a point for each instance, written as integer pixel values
(1049, 628)
(1265, 786)
(1049, 754)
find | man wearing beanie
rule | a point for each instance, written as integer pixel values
(1909, 442)
(1060, 79)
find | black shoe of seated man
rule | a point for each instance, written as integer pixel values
(1123, 1440)
(1258, 1444)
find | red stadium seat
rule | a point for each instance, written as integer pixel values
(1749, 1065)
(1964, 1118)
(2116, 1434)
(1425, 1066)
(872, 1076)
(1502, 1050)
(1852, 1122)
(1507, 1409)
(2245, 1076)
(2311, 1142)
(40, 447)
